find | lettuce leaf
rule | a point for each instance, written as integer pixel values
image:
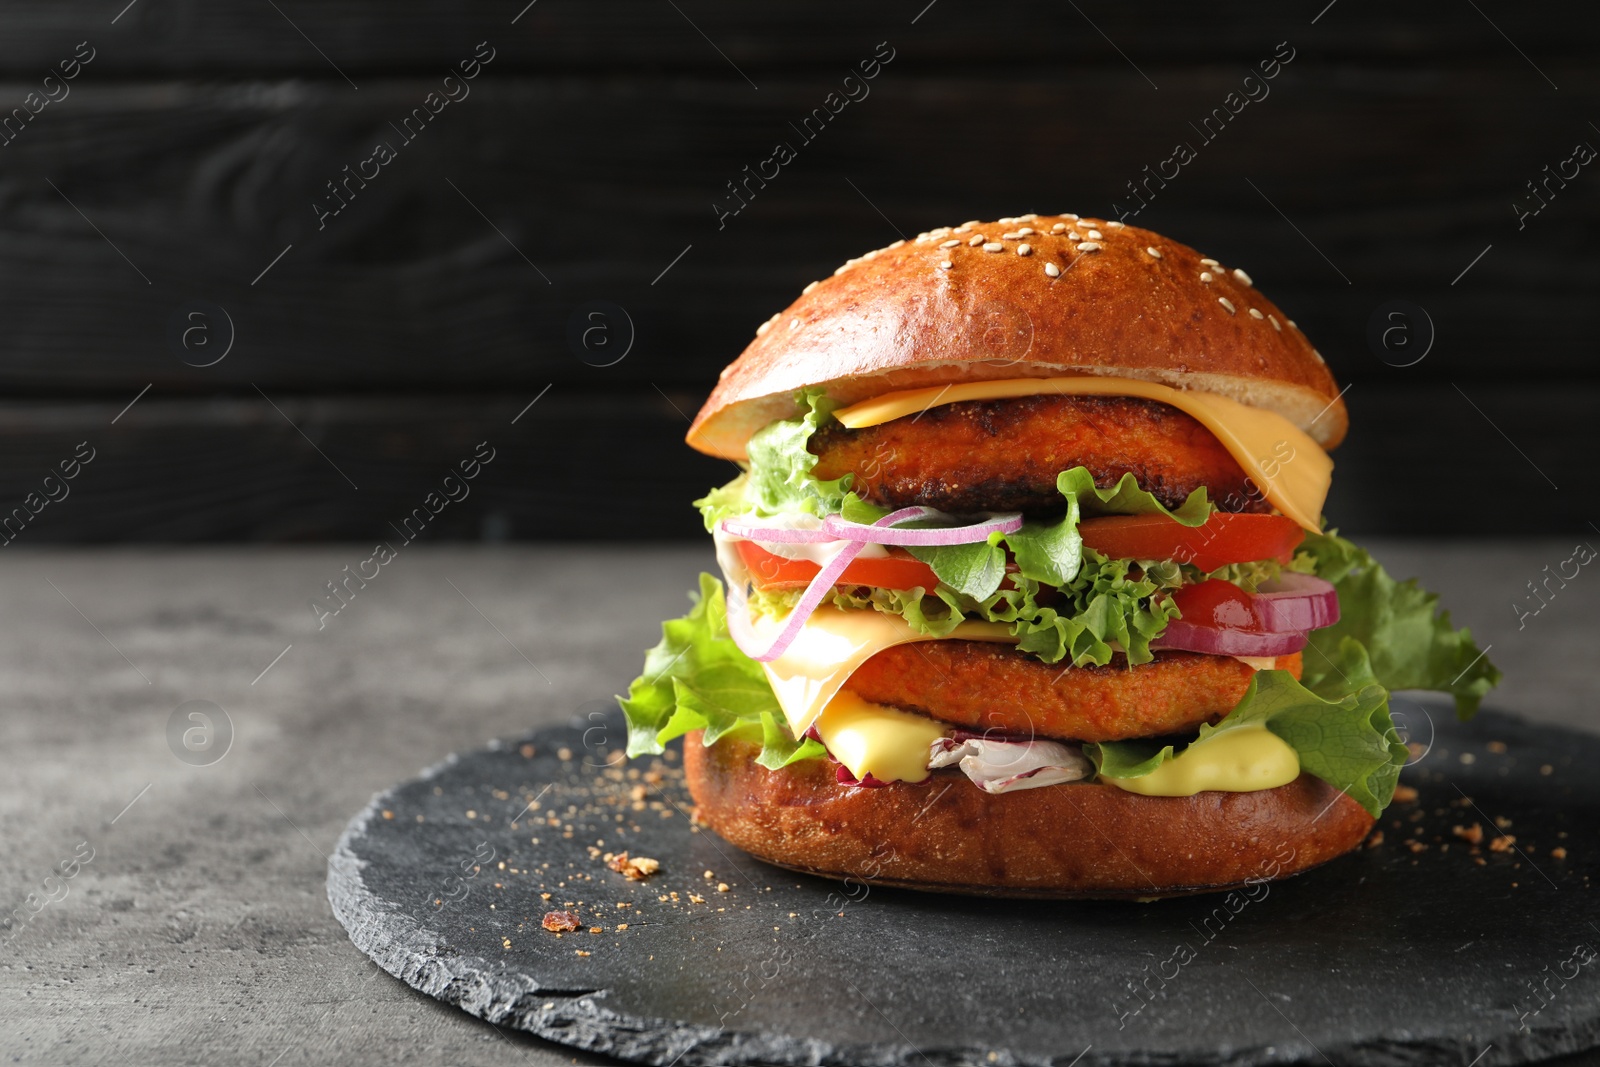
(778, 477)
(1051, 552)
(1350, 742)
(1406, 642)
(697, 679)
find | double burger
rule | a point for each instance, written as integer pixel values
(1026, 588)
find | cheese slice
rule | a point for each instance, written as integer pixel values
(1243, 760)
(1290, 468)
(887, 743)
(832, 644)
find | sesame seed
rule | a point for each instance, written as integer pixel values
(1211, 263)
(969, 224)
(809, 286)
(945, 264)
(1205, 276)
(840, 269)
(949, 244)
(1052, 270)
(977, 239)
(1012, 236)
(994, 246)
(1088, 246)
(1024, 249)
(1026, 230)
(897, 244)
(1254, 314)
(1314, 352)
(1008, 221)
(794, 324)
(1154, 251)
(1074, 235)
(1225, 302)
(1116, 225)
(1274, 322)
(1069, 215)
(1241, 276)
(1029, 217)
(763, 328)
(1058, 227)
(1291, 323)
(1095, 235)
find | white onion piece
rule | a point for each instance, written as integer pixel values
(1007, 766)
(1217, 641)
(1295, 602)
(744, 634)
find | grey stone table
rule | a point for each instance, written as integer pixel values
(194, 927)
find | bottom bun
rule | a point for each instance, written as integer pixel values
(1062, 841)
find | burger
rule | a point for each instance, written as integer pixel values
(1026, 588)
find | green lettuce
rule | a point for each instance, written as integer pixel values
(697, 679)
(1392, 630)
(778, 479)
(1350, 743)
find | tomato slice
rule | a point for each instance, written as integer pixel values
(898, 570)
(1224, 538)
(1218, 604)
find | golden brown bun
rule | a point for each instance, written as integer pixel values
(1063, 841)
(895, 319)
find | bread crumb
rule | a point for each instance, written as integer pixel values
(1472, 834)
(1416, 846)
(634, 868)
(622, 926)
(1546, 769)
(1496, 747)
(526, 751)
(505, 942)
(597, 929)
(1375, 839)
(1404, 794)
(387, 814)
(1502, 822)
(560, 921)
(581, 952)
(1559, 853)
(696, 898)
(722, 887)
(1502, 843)
(564, 755)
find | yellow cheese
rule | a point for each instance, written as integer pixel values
(1291, 469)
(832, 644)
(1243, 760)
(887, 743)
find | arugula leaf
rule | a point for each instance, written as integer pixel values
(1407, 642)
(1350, 743)
(778, 477)
(697, 679)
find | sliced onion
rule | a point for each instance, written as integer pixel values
(744, 634)
(1006, 766)
(792, 535)
(1217, 641)
(1294, 603)
(941, 535)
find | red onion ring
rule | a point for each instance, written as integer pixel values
(834, 528)
(1294, 603)
(1217, 641)
(743, 633)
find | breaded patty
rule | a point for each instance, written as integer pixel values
(983, 685)
(1004, 455)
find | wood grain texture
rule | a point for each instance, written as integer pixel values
(201, 186)
(364, 35)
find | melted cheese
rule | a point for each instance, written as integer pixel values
(887, 743)
(1291, 469)
(1244, 760)
(832, 644)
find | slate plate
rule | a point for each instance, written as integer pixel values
(1422, 949)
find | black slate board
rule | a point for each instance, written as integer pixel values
(1422, 949)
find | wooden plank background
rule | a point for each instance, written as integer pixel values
(182, 169)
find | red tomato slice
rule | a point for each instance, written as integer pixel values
(1222, 539)
(1218, 604)
(898, 570)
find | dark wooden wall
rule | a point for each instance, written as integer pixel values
(423, 318)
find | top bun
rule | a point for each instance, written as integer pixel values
(979, 301)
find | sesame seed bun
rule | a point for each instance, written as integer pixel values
(1062, 841)
(1038, 296)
